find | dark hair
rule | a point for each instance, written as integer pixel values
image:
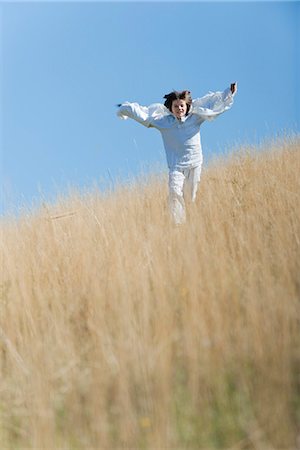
(178, 95)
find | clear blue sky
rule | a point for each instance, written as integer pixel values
(65, 65)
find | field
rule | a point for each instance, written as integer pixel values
(121, 330)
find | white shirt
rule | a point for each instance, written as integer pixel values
(181, 137)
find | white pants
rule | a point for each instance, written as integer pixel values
(183, 185)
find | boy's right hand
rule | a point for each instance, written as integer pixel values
(233, 87)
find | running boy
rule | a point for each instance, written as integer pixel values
(178, 121)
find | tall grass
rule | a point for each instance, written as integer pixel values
(120, 330)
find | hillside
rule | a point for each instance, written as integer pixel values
(120, 330)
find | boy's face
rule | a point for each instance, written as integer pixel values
(179, 108)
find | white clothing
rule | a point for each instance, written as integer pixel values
(183, 185)
(181, 137)
(182, 141)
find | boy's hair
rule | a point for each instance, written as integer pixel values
(178, 95)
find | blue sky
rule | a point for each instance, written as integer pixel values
(65, 65)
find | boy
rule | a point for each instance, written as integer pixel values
(178, 121)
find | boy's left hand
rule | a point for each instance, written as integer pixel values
(233, 87)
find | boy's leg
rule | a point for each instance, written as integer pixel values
(176, 200)
(191, 183)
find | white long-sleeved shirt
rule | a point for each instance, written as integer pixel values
(181, 137)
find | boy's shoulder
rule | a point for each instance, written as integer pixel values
(167, 121)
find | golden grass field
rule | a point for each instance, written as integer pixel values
(120, 330)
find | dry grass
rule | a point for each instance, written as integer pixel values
(119, 330)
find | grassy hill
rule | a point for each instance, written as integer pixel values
(120, 330)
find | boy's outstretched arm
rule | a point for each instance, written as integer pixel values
(214, 103)
(134, 111)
